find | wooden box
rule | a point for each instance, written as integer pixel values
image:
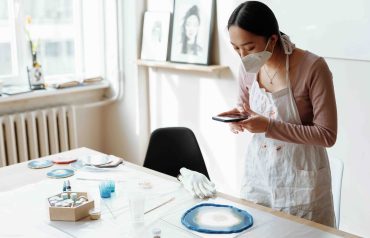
(71, 213)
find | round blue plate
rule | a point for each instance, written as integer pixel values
(39, 164)
(216, 219)
(60, 173)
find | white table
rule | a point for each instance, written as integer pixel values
(24, 211)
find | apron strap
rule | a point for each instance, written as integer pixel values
(287, 70)
(291, 98)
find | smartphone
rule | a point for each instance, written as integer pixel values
(230, 118)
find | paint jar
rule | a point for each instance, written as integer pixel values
(95, 214)
(64, 196)
(73, 196)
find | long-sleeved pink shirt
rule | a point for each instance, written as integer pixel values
(313, 92)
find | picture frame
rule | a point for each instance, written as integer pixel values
(192, 29)
(156, 30)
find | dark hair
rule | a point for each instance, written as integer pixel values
(255, 17)
(194, 10)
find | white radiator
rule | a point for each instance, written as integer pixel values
(33, 134)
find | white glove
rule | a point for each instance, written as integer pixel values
(196, 183)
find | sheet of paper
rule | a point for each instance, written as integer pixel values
(167, 230)
(28, 208)
(264, 223)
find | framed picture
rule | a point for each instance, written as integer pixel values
(191, 31)
(156, 30)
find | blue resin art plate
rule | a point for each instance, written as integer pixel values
(216, 219)
(60, 173)
(39, 164)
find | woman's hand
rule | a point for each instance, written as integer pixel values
(231, 112)
(235, 127)
(255, 123)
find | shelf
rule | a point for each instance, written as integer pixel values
(185, 67)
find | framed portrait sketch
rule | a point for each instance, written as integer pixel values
(156, 30)
(191, 31)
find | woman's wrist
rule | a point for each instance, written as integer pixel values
(268, 125)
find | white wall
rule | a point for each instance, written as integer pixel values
(90, 128)
(351, 81)
(126, 122)
(190, 99)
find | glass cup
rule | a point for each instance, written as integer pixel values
(105, 190)
(137, 205)
(112, 185)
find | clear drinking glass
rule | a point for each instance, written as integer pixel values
(137, 205)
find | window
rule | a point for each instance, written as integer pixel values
(53, 25)
(7, 57)
(71, 36)
(50, 12)
(3, 10)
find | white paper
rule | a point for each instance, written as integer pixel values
(263, 224)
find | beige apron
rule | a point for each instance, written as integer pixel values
(288, 177)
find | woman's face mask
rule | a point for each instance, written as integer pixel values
(253, 62)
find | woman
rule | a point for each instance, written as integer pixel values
(189, 33)
(289, 96)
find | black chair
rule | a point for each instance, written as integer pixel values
(172, 148)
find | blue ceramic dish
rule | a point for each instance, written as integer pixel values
(39, 164)
(60, 173)
(218, 220)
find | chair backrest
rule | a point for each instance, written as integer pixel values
(172, 148)
(336, 168)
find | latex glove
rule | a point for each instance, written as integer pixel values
(197, 183)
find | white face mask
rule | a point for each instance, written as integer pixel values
(253, 62)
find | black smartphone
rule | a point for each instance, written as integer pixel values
(230, 118)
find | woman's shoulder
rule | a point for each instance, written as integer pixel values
(306, 58)
(311, 68)
(308, 61)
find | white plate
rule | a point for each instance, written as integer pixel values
(89, 162)
(97, 160)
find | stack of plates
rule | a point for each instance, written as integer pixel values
(92, 162)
